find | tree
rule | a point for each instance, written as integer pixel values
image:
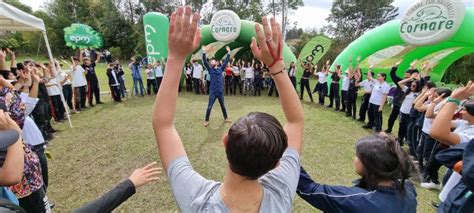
(353, 17)
(284, 7)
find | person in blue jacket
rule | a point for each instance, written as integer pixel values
(216, 90)
(384, 168)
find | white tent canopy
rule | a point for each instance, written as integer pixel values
(14, 19)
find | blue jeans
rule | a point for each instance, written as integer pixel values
(137, 81)
(212, 98)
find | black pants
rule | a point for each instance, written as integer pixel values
(393, 117)
(158, 83)
(35, 202)
(150, 83)
(41, 117)
(67, 92)
(293, 81)
(364, 106)
(375, 117)
(433, 165)
(322, 89)
(403, 128)
(58, 107)
(197, 84)
(228, 84)
(93, 91)
(189, 83)
(258, 84)
(80, 97)
(425, 147)
(272, 86)
(304, 84)
(343, 100)
(208, 86)
(351, 103)
(39, 150)
(413, 135)
(115, 91)
(236, 81)
(334, 94)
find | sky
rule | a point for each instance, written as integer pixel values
(312, 15)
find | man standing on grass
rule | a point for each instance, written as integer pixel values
(92, 80)
(197, 76)
(263, 180)
(216, 90)
(137, 77)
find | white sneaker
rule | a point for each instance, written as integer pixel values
(431, 185)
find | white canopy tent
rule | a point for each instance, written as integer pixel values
(14, 19)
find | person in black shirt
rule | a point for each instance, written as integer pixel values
(354, 77)
(304, 83)
(334, 90)
(92, 81)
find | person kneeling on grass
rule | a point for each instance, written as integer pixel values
(384, 168)
(263, 157)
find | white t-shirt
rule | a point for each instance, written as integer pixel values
(345, 83)
(292, 72)
(188, 70)
(464, 130)
(197, 71)
(322, 77)
(63, 75)
(78, 78)
(30, 132)
(407, 103)
(378, 91)
(235, 70)
(428, 122)
(149, 74)
(194, 193)
(367, 86)
(52, 87)
(158, 71)
(248, 72)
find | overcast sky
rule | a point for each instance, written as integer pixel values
(312, 15)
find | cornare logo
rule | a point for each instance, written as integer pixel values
(431, 21)
(225, 25)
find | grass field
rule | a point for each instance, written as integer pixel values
(109, 141)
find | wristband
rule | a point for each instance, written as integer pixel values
(454, 100)
(273, 74)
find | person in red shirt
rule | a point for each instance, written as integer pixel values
(228, 79)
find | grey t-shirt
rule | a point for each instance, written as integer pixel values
(194, 193)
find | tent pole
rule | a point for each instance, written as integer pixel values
(53, 66)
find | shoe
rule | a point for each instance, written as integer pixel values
(342, 110)
(388, 131)
(206, 123)
(329, 106)
(51, 204)
(360, 120)
(227, 120)
(336, 109)
(367, 127)
(100, 102)
(348, 115)
(431, 185)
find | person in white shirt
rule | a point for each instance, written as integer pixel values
(377, 101)
(158, 67)
(64, 78)
(367, 86)
(54, 92)
(236, 78)
(150, 80)
(114, 76)
(79, 84)
(188, 71)
(197, 76)
(322, 86)
(249, 75)
(407, 104)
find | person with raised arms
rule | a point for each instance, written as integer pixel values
(263, 156)
(216, 87)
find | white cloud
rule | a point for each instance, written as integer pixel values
(309, 17)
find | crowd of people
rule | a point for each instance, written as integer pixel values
(264, 171)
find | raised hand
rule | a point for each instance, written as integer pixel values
(465, 92)
(184, 35)
(439, 98)
(413, 63)
(270, 43)
(2, 53)
(228, 49)
(359, 58)
(144, 175)
(398, 62)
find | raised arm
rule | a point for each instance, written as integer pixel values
(12, 58)
(288, 97)
(204, 58)
(3, 62)
(183, 37)
(226, 60)
(393, 73)
(441, 128)
(420, 100)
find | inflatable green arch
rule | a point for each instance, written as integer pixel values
(156, 26)
(383, 46)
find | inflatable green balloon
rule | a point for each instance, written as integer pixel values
(156, 27)
(313, 51)
(82, 36)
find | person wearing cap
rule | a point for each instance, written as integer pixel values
(137, 77)
(92, 80)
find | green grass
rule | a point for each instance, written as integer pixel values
(109, 141)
